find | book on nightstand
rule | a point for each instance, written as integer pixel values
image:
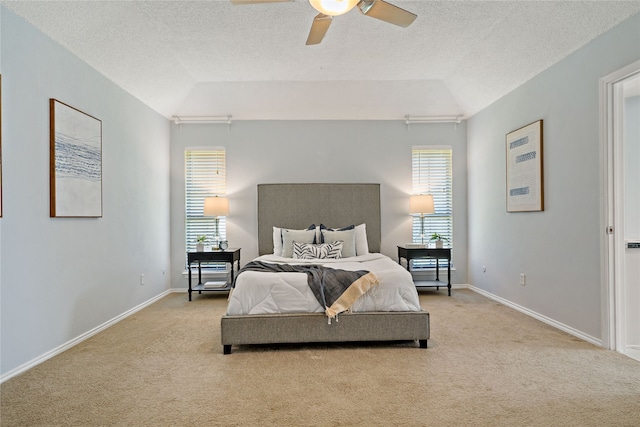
(415, 245)
(215, 284)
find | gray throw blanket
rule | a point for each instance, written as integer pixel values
(335, 290)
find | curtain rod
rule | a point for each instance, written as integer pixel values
(202, 119)
(433, 119)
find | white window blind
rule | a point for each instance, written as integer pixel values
(433, 174)
(205, 176)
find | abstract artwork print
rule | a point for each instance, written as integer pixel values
(76, 162)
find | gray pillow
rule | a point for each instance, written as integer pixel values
(347, 236)
(277, 238)
(290, 236)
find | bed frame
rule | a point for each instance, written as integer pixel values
(336, 205)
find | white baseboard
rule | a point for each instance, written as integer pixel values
(538, 316)
(48, 355)
(633, 351)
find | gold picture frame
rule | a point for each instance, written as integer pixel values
(525, 185)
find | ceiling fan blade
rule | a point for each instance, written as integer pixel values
(257, 1)
(319, 28)
(387, 12)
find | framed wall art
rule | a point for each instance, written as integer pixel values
(0, 145)
(75, 162)
(525, 190)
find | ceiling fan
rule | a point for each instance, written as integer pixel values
(378, 9)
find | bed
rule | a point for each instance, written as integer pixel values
(279, 307)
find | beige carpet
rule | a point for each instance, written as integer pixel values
(486, 365)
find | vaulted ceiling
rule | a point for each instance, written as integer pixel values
(214, 58)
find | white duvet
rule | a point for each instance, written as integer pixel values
(262, 293)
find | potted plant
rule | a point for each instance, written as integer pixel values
(439, 239)
(200, 243)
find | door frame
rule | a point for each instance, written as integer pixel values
(611, 241)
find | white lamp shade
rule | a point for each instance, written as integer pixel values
(422, 204)
(216, 206)
(333, 7)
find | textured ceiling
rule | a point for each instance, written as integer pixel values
(210, 58)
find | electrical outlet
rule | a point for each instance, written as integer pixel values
(142, 279)
(484, 269)
(523, 278)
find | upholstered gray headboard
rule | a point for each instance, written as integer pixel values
(299, 205)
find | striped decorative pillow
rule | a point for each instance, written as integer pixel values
(331, 250)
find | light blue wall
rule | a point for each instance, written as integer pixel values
(1, 133)
(318, 151)
(558, 249)
(62, 277)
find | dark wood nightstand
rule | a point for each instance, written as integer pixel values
(437, 253)
(230, 255)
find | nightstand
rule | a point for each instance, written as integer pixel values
(437, 253)
(231, 256)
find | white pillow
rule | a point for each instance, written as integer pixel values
(300, 236)
(347, 236)
(277, 241)
(331, 250)
(362, 247)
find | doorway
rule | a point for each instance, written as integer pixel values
(620, 92)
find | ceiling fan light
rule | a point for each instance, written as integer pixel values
(333, 7)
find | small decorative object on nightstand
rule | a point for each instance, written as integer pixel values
(200, 243)
(437, 253)
(439, 239)
(231, 256)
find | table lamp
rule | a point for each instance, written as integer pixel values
(421, 204)
(216, 207)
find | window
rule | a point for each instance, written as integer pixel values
(432, 174)
(205, 176)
